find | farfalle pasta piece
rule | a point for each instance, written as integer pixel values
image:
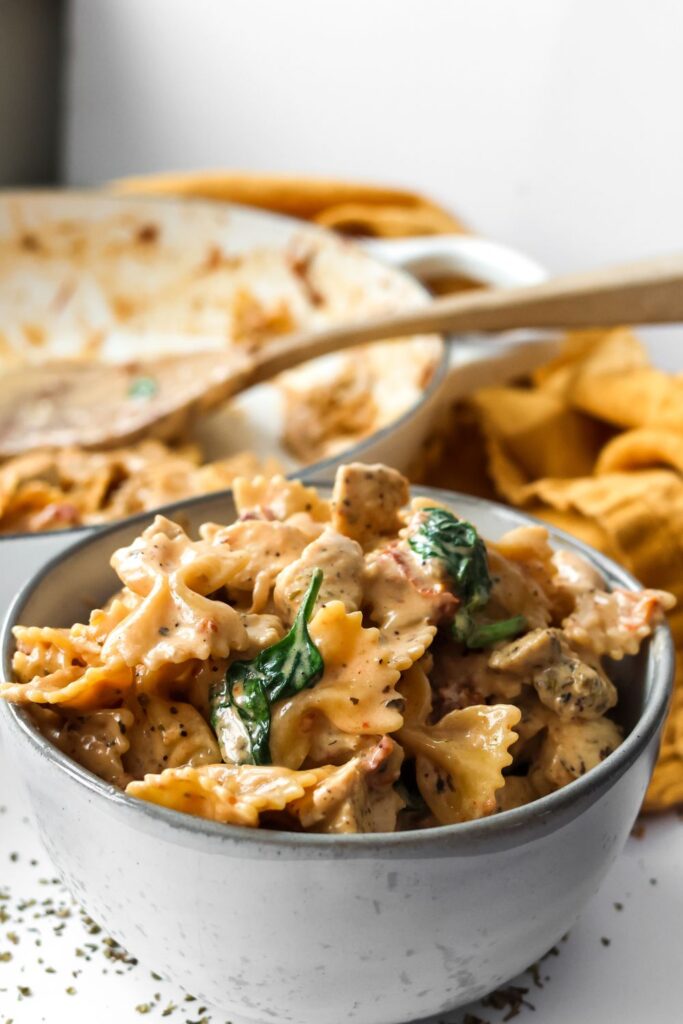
(366, 501)
(416, 691)
(98, 739)
(528, 545)
(343, 566)
(78, 689)
(277, 498)
(167, 734)
(175, 622)
(405, 602)
(164, 549)
(55, 666)
(356, 693)
(43, 650)
(103, 620)
(459, 761)
(640, 449)
(229, 794)
(268, 547)
(35, 465)
(616, 623)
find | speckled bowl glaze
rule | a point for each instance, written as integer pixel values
(318, 929)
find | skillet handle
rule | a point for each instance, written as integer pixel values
(488, 263)
(435, 256)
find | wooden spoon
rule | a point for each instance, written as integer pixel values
(95, 405)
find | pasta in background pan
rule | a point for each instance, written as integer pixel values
(361, 665)
(113, 280)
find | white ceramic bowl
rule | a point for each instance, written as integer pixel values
(280, 927)
(120, 273)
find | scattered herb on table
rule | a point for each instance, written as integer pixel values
(32, 922)
(510, 998)
(457, 545)
(241, 703)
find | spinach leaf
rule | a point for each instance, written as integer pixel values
(143, 387)
(456, 544)
(479, 635)
(241, 703)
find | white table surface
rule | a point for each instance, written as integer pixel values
(616, 965)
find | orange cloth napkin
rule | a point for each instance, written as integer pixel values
(352, 209)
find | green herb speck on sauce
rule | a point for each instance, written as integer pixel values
(143, 387)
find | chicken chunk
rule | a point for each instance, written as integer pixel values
(342, 563)
(571, 749)
(517, 591)
(366, 501)
(96, 739)
(529, 653)
(564, 682)
(359, 796)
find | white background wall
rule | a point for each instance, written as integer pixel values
(554, 125)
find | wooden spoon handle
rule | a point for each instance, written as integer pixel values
(649, 292)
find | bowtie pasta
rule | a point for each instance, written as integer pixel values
(365, 664)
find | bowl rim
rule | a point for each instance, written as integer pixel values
(352, 454)
(547, 812)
